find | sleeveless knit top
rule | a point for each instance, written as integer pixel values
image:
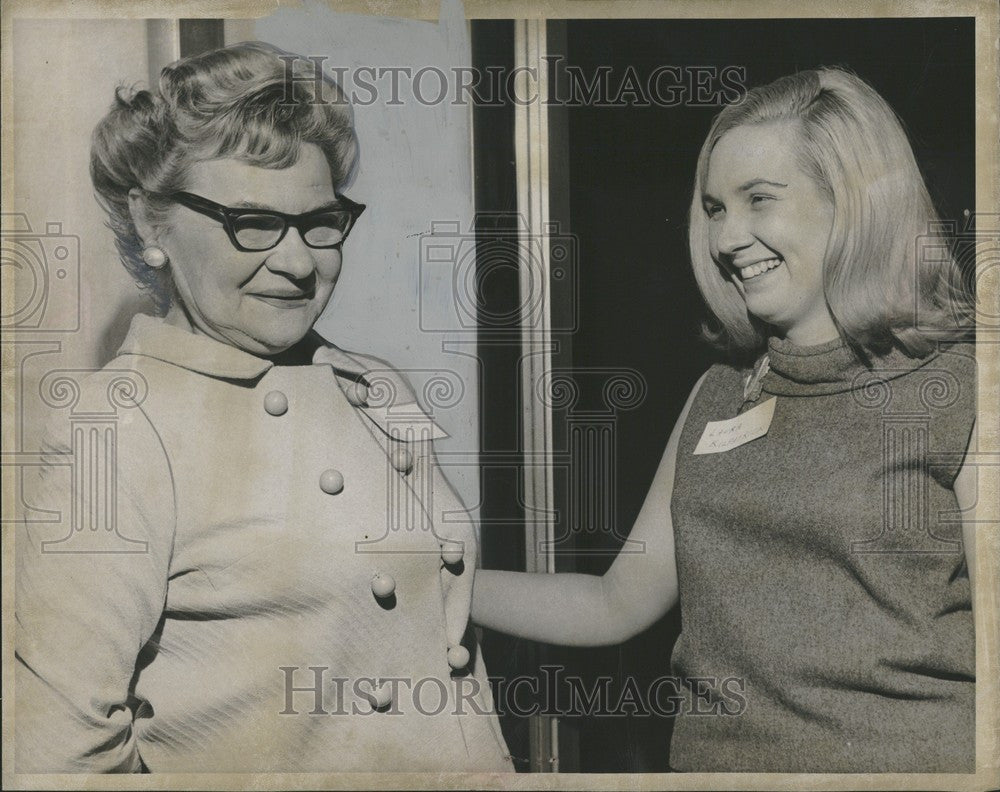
(823, 587)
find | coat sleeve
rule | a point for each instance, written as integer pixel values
(92, 547)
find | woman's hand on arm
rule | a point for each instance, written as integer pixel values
(588, 610)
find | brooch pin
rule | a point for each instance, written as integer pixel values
(754, 382)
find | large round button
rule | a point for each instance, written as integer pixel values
(402, 460)
(458, 657)
(383, 585)
(357, 394)
(452, 552)
(379, 695)
(276, 403)
(331, 481)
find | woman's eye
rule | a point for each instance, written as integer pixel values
(758, 198)
(714, 211)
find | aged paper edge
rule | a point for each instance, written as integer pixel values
(987, 601)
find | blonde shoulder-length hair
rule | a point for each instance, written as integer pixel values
(880, 291)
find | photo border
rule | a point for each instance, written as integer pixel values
(986, 607)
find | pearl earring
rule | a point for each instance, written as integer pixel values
(154, 256)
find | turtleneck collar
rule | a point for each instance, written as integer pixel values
(832, 367)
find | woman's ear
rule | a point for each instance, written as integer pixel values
(137, 209)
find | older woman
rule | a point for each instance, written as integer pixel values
(278, 593)
(807, 511)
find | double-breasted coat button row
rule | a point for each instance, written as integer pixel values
(383, 585)
(379, 694)
(276, 402)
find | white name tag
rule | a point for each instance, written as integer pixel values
(725, 435)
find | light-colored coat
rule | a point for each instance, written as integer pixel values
(223, 617)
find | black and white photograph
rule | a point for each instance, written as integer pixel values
(485, 395)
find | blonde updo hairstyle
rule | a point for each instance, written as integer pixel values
(250, 101)
(880, 291)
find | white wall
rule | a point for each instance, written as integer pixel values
(65, 73)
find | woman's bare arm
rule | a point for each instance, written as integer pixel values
(966, 492)
(588, 610)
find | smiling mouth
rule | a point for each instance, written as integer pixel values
(285, 300)
(758, 269)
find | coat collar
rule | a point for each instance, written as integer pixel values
(152, 337)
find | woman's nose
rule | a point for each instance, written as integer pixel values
(732, 234)
(292, 257)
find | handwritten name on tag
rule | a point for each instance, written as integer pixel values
(722, 436)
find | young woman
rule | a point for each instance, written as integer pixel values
(806, 512)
